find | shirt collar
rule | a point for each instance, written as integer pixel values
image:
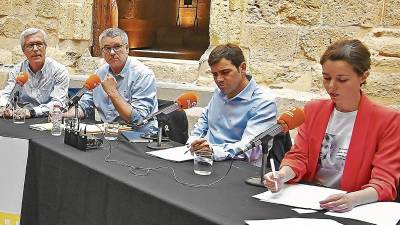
(124, 70)
(246, 93)
(41, 70)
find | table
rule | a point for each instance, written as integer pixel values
(66, 186)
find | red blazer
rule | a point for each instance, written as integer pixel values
(373, 158)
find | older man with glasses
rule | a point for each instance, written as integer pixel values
(128, 89)
(47, 82)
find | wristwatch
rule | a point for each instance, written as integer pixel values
(32, 112)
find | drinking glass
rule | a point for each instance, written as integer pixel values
(203, 161)
(18, 115)
(111, 131)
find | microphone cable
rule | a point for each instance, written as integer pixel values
(145, 171)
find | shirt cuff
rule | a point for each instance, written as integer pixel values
(38, 111)
(220, 153)
(135, 117)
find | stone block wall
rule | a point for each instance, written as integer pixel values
(283, 40)
(68, 25)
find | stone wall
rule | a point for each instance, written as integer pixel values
(283, 39)
(68, 24)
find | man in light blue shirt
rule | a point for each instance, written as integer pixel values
(128, 88)
(237, 112)
(48, 80)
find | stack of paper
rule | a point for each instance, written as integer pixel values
(90, 128)
(177, 154)
(299, 195)
(380, 213)
(296, 221)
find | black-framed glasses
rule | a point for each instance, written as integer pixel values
(117, 48)
(31, 46)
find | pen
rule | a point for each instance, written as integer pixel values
(274, 172)
(187, 149)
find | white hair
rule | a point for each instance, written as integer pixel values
(29, 32)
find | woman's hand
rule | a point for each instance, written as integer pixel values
(338, 203)
(274, 183)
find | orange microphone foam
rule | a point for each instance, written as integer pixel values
(187, 100)
(291, 119)
(92, 82)
(22, 78)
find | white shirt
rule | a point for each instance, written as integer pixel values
(334, 148)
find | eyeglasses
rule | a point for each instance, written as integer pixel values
(117, 48)
(39, 45)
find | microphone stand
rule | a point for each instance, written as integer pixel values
(162, 120)
(258, 181)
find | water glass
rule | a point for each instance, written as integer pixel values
(111, 131)
(203, 161)
(19, 115)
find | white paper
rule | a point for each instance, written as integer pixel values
(380, 213)
(299, 195)
(177, 154)
(90, 128)
(303, 211)
(296, 221)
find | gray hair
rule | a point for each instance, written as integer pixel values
(29, 32)
(113, 32)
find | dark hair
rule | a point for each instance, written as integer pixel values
(230, 52)
(353, 52)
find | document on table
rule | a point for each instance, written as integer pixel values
(90, 128)
(299, 195)
(380, 213)
(177, 154)
(297, 221)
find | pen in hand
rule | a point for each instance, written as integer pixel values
(274, 173)
(188, 149)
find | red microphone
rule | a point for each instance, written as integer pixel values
(185, 101)
(90, 83)
(289, 120)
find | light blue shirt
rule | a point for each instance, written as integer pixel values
(47, 86)
(229, 124)
(136, 84)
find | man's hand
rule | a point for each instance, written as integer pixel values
(109, 85)
(27, 114)
(8, 113)
(200, 145)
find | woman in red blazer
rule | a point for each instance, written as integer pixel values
(346, 142)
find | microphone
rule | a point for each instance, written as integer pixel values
(287, 121)
(20, 80)
(185, 101)
(92, 82)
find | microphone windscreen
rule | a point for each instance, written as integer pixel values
(187, 100)
(291, 118)
(92, 82)
(22, 78)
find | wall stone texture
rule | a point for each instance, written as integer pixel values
(282, 40)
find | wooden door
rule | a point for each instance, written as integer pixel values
(101, 21)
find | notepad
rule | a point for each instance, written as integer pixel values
(297, 221)
(380, 213)
(177, 154)
(299, 195)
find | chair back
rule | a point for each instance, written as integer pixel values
(175, 125)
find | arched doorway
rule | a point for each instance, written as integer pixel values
(176, 29)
